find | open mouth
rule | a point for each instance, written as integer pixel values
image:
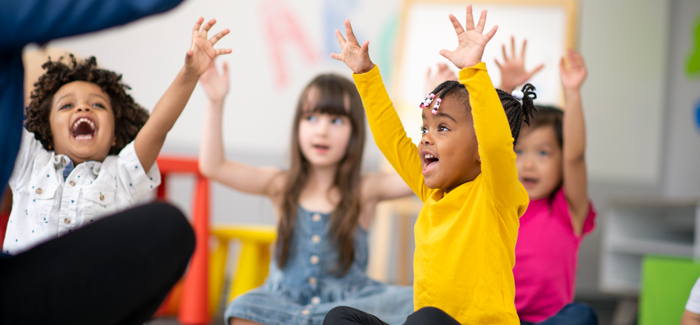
(430, 162)
(321, 147)
(83, 129)
(529, 182)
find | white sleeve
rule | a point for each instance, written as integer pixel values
(28, 148)
(134, 182)
(693, 304)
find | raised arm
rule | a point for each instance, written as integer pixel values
(151, 137)
(513, 73)
(575, 176)
(212, 163)
(491, 126)
(383, 120)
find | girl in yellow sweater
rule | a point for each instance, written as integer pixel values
(464, 172)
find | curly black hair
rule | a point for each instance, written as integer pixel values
(129, 117)
(517, 111)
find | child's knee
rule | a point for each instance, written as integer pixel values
(584, 314)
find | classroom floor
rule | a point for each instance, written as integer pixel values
(604, 307)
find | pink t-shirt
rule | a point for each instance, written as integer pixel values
(546, 255)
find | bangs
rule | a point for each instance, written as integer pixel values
(327, 98)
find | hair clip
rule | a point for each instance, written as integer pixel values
(517, 94)
(428, 99)
(437, 105)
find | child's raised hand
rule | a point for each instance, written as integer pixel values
(356, 57)
(513, 71)
(215, 85)
(573, 74)
(472, 41)
(202, 51)
(442, 74)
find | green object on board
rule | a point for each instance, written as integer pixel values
(694, 59)
(666, 285)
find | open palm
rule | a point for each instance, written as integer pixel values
(215, 85)
(513, 71)
(202, 51)
(356, 57)
(572, 76)
(472, 41)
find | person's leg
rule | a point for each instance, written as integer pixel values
(430, 316)
(573, 314)
(349, 316)
(114, 271)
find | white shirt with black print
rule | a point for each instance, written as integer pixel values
(46, 205)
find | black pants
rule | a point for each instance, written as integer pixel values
(115, 271)
(351, 316)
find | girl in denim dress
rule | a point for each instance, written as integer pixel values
(323, 206)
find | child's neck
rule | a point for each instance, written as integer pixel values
(319, 193)
(321, 177)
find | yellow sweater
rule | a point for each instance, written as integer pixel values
(465, 239)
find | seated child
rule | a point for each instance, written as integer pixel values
(324, 207)
(559, 214)
(552, 167)
(464, 172)
(88, 149)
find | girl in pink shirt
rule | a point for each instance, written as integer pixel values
(551, 166)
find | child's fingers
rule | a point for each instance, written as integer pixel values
(225, 72)
(512, 47)
(492, 32)
(522, 51)
(447, 54)
(498, 64)
(222, 51)
(341, 39)
(505, 56)
(349, 33)
(482, 22)
(562, 65)
(470, 18)
(365, 47)
(206, 27)
(338, 57)
(197, 26)
(427, 73)
(457, 26)
(218, 36)
(532, 73)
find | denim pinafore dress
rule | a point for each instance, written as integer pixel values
(306, 288)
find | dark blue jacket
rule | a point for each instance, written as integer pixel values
(39, 21)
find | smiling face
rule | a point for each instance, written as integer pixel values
(82, 122)
(539, 161)
(448, 148)
(323, 138)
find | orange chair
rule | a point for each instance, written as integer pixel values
(192, 297)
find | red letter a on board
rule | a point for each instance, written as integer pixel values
(282, 29)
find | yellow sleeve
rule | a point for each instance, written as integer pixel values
(388, 132)
(493, 135)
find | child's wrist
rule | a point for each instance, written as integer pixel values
(572, 92)
(365, 70)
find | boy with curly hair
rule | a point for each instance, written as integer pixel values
(88, 149)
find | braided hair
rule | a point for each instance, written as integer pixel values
(517, 111)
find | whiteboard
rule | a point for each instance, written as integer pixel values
(547, 26)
